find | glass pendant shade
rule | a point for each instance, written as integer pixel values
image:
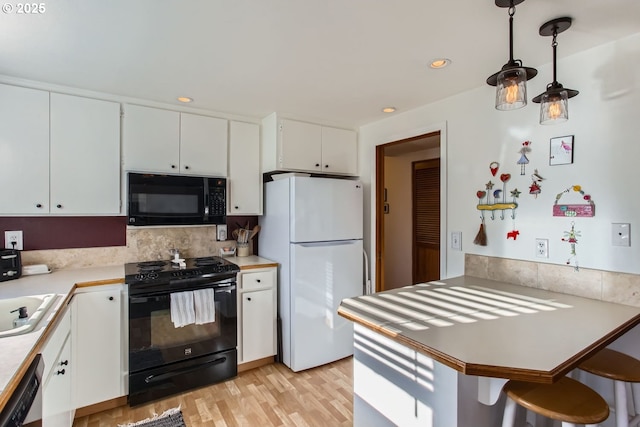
(554, 107)
(511, 90)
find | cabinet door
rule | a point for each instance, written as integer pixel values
(300, 146)
(85, 155)
(24, 150)
(203, 145)
(339, 151)
(245, 177)
(258, 325)
(97, 334)
(151, 139)
(57, 408)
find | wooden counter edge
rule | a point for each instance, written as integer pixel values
(256, 266)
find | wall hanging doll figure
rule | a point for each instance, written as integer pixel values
(535, 187)
(523, 160)
(571, 237)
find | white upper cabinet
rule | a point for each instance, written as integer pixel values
(58, 153)
(156, 140)
(339, 151)
(85, 155)
(203, 145)
(24, 150)
(290, 145)
(245, 176)
(301, 145)
(150, 139)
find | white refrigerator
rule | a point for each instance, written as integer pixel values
(313, 228)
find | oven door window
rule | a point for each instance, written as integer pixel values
(154, 340)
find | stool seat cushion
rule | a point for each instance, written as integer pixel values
(614, 365)
(565, 400)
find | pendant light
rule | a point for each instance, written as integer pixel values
(511, 80)
(554, 105)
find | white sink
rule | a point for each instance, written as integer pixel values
(37, 306)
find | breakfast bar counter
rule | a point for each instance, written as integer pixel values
(442, 350)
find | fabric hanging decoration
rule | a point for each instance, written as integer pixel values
(481, 237)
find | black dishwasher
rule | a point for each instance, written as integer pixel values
(26, 399)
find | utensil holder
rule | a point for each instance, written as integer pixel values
(242, 249)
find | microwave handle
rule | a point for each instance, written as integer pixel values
(206, 203)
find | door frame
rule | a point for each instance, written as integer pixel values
(378, 197)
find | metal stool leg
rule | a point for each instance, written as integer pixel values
(509, 416)
(620, 393)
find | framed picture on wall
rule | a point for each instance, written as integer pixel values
(561, 150)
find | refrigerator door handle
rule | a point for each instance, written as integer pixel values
(332, 243)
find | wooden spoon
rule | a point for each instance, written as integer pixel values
(255, 231)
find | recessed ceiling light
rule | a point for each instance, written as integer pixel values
(388, 109)
(185, 99)
(440, 63)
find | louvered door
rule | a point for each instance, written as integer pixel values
(426, 220)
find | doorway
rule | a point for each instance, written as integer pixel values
(407, 244)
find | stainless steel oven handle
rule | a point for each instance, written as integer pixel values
(157, 378)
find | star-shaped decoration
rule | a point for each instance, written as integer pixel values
(515, 193)
(489, 185)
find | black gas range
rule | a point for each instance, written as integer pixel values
(148, 274)
(182, 325)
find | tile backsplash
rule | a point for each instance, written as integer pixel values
(143, 244)
(603, 285)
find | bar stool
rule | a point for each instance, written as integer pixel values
(621, 368)
(566, 400)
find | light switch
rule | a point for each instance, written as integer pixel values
(456, 240)
(620, 234)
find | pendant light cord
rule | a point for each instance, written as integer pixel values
(554, 45)
(512, 11)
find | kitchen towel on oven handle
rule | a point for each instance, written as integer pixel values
(182, 309)
(205, 304)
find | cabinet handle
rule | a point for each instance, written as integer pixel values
(317, 165)
(236, 207)
(186, 167)
(110, 298)
(173, 166)
(60, 372)
(326, 166)
(64, 363)
(248, 298)
(59, 206)
(258, 280)
(39, 205)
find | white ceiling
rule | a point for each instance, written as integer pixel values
(331, 61)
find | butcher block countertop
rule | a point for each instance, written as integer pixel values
(494, 329)
(18, 351)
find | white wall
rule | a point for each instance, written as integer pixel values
(605, 120)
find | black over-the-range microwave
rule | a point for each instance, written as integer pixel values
(155, 199)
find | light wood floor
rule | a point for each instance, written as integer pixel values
(271, 395)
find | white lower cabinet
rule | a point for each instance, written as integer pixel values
(99, 349)
(57, 404)
(257, 320)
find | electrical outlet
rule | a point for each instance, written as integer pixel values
(620, 233)
(13, 240)
(456, 240)
(542, 248)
